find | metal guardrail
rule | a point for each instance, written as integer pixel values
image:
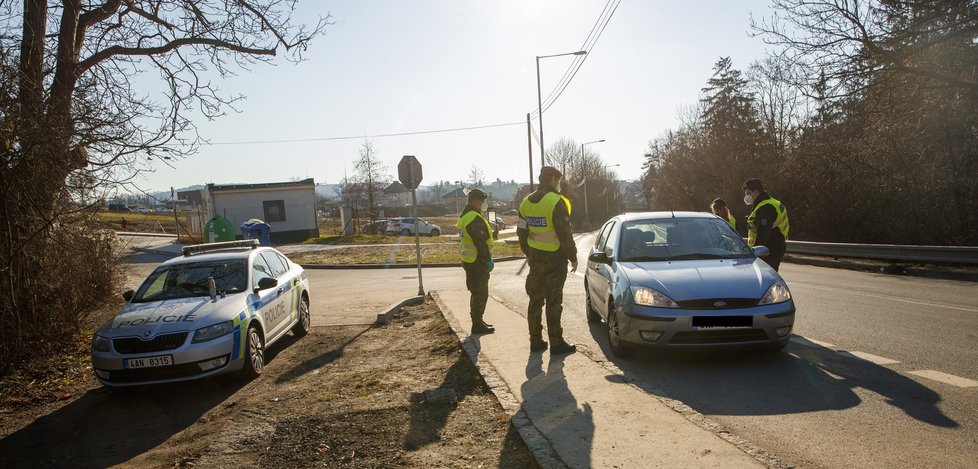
(892, 252)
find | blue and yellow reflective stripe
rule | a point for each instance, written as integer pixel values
(240, 329)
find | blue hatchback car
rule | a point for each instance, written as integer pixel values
(684, 280)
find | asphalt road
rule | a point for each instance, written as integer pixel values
(882, 370)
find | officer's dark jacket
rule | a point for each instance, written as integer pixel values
(764, 219)
(477, 230)
(561, 226)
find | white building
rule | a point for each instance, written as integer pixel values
(288, 207)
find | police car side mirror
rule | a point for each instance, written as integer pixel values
(761, 251)
(266, 283)
(128, 294)
(600, 257)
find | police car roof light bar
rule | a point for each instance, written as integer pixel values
(203, 248)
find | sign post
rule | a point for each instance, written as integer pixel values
(410, 175)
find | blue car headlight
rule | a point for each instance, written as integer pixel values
(100, 344)
(212, 332)
(649, 297)
(778, 293)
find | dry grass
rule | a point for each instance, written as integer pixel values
(446, 253)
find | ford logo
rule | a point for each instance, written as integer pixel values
(719, 304)
(147, 333)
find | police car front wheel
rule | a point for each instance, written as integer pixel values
(255, 360)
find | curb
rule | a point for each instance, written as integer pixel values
(885, 268)
(393, 309)
(537, 443)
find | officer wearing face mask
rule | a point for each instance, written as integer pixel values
(546, 240)
(767, 224)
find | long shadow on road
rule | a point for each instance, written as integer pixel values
(773, 383)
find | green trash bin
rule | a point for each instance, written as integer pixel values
(218, 229)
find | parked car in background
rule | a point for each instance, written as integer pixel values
(143, 210)
(407, 226)
(684, 280)
(212, 311)
(511, 212)
(376, 227)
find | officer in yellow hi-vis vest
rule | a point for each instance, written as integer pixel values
(546, 239)
(476, 256)
(720, 209)
(767, 224)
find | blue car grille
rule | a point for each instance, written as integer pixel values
(159, 343)
(718, 303)
(719, 336)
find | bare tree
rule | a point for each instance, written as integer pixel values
(371, 176)
(476, 176)
(73, 120)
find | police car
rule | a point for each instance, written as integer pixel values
(212, 311)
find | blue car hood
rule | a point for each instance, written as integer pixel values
(703, 279)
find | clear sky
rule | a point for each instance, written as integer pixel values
(390, 66)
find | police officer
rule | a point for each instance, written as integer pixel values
(546, 240)
(476, 255)
(767, 224)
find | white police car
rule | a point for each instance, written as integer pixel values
(212, 311)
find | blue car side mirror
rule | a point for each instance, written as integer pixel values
(761, 251)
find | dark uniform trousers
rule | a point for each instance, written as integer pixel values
(477, 281)
(545, 285)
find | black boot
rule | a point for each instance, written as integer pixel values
(538, 346)
(563, 348)
(480, 327)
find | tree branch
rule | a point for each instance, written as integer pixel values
(170, 46)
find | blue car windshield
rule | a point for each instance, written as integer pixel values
(672, 239)
(190, 279)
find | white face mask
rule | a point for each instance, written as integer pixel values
(748, 199)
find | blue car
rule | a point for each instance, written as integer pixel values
(684, 280)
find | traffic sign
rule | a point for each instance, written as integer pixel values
(409, 172)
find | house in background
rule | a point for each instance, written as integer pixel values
(288, 207)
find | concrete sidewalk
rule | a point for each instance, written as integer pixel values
(575, 412)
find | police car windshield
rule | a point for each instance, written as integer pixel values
(190, 279)
(673, 239)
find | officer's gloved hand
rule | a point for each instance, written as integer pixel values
(490, 264)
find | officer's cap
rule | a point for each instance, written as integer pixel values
(478, 194)
(548, 172)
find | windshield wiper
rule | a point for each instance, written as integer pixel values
(695, 255)
(644, 259)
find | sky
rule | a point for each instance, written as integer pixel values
(390, 66)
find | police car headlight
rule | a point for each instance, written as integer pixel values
(648, 297)
(212, 332)
(778, 293)
(100, 344)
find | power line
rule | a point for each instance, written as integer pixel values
(400, 134)
(596, 31)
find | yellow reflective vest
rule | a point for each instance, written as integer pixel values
(540, 221)
(732, 220)
(469, 253)
(781, 222)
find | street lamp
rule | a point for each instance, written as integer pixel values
(584, 170)
(540, 101)
(458, 185)
(605, 168)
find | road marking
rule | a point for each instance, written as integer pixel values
(807, 342)
(885, 297)
(946, 378)
(869, 357)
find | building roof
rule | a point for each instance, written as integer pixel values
(267, 185)
(460, 193)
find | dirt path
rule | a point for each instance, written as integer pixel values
(399, 395)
